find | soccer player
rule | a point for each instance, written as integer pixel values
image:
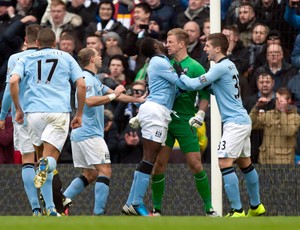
(21, 137)
(235, 142)
(179, 128)
(90, 151)
(154, 117)
(46, 75)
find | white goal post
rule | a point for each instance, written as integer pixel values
(215, 120)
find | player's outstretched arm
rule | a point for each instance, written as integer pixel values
(190, 83)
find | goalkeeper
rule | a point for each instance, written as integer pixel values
(183, 125)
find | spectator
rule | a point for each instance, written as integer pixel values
(130, 145)
(94, 41)
(84, 8)
(205, 30)
(271, 13)
(130, 142)
(6, 142)
(164, 12)
(280, 127)
(60, 20)
(8, 44)
(35, 8)
(257, 47)
(138, 31)
(292, 14)
(238, 54)
(225, 4)
(104, 21)
(294, 87)
(120, 74)
(67, 44)
(265, 85)
(295, 57)
(196, 11)
(111, 46)
(195, 47)
(232, 15)
(125, 111)
(119, 71)
(123, 11)
(111, 136)
(155, 28)
(273, 37)
(245, 22)
(276, 66)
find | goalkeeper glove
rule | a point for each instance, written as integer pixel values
(134, 122)
(198, 119)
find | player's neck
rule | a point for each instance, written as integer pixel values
(219, 57)
(180, 55)
(91, 68)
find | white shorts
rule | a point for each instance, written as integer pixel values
(235, 141)
(22, 141)
(49, 127)
(92, 151)
(154, 120)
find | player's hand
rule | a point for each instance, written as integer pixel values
(134, 122)
(2, 124)
(119, 90)
(76, 122)
(198, 119)
(19, 117)
(178, 69)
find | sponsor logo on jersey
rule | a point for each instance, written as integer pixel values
(88, 88)
(203, 79)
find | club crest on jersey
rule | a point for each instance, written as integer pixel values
(185, 70)
(88, 88)
(158, 133)
(172, 69)
(203, 79)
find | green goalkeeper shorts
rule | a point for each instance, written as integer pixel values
(180, 129)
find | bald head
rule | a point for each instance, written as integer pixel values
(192, 28)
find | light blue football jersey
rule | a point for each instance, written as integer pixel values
(224, 80)
(7, 100)
(47, 73)
(162, 78)
(93, 117)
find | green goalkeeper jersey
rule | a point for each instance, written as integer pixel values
(185, 103)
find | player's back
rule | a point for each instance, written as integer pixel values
(47, 73)
(161, 81)
(227, 92)
(12, 61)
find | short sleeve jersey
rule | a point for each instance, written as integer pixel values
(93, 117)
(46, 74)
(162, 77)
(223, 77)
